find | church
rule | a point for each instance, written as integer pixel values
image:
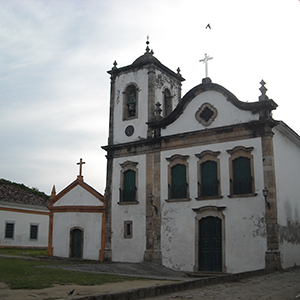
(199, 183)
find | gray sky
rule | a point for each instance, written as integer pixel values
(54, 55)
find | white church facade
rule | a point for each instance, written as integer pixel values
(203, 182)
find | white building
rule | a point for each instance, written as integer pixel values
(24, 219)
(77, 221)
(185, 176)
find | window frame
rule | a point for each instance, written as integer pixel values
(128, 225)
(127, 166)
(237, 152)
(6, 230)
(203, 157)
(174, 160)
(30, 231)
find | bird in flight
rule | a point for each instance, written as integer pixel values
(208, 26)
(71, 292)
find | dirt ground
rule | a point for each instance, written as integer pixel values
(59, 292)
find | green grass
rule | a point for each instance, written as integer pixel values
(30, 274)
(23, 252)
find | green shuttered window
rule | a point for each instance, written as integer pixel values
(178, 183)
(242, 180)
(209, 179)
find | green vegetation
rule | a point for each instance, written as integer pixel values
(30, 274)
(25, 188)
(23, 252)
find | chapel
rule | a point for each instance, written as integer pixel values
(76, 221)
(200, 183)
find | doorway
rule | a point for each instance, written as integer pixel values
(76, 244)
(210, 244)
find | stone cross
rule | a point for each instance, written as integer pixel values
(205, 60)
(80, 167)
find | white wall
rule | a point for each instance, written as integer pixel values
(245, 229)
(287, 166)
(91, 223)
(228, 114)
(140, 78)
(22, 221)
(129, 249)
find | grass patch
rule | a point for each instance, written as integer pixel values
(27, 274)
(23, 252)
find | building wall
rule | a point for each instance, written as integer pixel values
(22, 221)
(287, 166)
(90, 223)
(244, 218)
(129, 249)
(228, 114)
(140, 79)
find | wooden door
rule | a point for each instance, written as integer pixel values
(210, 244)
(76, 243)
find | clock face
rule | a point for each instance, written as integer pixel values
(129, 130)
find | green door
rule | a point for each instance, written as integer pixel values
(210, 248)
(76, 243)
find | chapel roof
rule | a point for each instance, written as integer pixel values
(15, 194)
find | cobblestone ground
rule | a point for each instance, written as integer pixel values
(275, 286)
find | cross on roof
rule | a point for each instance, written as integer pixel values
(80, 167)
(205, 60)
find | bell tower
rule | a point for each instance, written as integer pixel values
(135, 91)
(141, 93)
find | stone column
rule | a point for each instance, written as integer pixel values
(153, 213)
(272, 256)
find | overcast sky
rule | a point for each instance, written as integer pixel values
(55, 54)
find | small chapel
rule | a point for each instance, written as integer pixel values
(202, 183)
(76, 221)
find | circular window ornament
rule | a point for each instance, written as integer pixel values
(206, 114)
(129, 130)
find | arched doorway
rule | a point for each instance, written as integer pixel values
(210, 244)
(76, 243)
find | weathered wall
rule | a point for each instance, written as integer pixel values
(22, 221)
(90, 223)
(140, 79)
(245, 229)
(287, 165)
(129, 249)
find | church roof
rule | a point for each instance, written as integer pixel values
(144, 60)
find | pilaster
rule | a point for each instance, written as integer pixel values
(272, 256)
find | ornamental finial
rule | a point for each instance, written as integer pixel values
(263, 90)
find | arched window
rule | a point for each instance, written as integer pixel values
(167, 102)
(130, 102)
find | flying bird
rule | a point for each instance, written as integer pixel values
(71, 292)
(208, 26)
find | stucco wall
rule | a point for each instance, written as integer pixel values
(129, 249)
(287, 166)
(22, 221)
(228, 114)
(245, 229)
(78, 196)
(90, 223)
(140, 78)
